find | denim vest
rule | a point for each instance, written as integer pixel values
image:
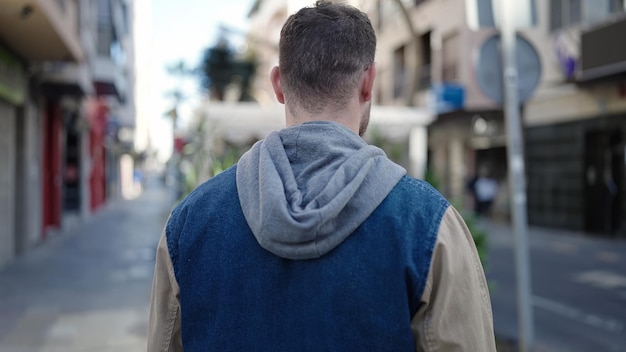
(361, 296)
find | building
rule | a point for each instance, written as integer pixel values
(32, 33)
(428, 57)
(574, 119)
(114, 81)
(576, 130)
(63, 88)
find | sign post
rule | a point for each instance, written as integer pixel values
(517, 177)
(508, 15)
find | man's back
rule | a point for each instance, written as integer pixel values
(237, 296)
(371, 291)
(316, 241)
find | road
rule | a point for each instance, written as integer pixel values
(579, 289)
(87, 289)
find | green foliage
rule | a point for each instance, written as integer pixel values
(190, 180)
(395, 151)
(478, 234)
(430, 178)
(226, 160)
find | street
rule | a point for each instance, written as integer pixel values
(579, 289)
(89, 289)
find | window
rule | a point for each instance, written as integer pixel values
(617, 6)
(556, 14)
(574, 11)
(566, 13)
(105, 38)
(125, 18)
(116, 52)
(61, 4)
(399, 72)
(450, 58)
(425, 70)
(104, 13)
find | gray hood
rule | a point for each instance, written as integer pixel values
(305, 189)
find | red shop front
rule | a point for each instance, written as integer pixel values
(97, 114)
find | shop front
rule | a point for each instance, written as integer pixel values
(12, 94)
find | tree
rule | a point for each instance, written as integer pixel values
(220, 67)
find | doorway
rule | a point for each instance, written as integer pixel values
(603, 172)
(72, 166)
(52, 167)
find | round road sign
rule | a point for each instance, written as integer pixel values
(489, 68)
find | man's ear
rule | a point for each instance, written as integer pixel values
(278, 89)
(367, 84)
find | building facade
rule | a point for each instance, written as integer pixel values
(12, 97)
(57, 96)
(427, 57)
(576, 129)
(31, 33)
(573, 121)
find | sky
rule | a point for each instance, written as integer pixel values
(181, 30)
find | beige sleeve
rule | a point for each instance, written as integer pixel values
(455, 312)
(164, 325)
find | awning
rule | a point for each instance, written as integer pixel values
(66, 79)
(244, 122)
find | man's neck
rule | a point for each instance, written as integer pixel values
(350, 117)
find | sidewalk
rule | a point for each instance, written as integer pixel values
(88, 289)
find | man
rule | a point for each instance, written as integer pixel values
(316, 241)
(485, 190)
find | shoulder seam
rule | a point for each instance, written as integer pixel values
(433, 231)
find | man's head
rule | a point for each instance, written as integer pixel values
(326, 54)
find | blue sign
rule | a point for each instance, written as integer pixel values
(447, 97)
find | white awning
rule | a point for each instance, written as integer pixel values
(241, 123)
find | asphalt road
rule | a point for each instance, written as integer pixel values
(578, 289)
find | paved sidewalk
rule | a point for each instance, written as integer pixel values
(88, 289)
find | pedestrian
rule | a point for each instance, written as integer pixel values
(315, 240)
(470, 187)
(485, 191)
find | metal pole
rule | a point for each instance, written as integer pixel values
(516, 177)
